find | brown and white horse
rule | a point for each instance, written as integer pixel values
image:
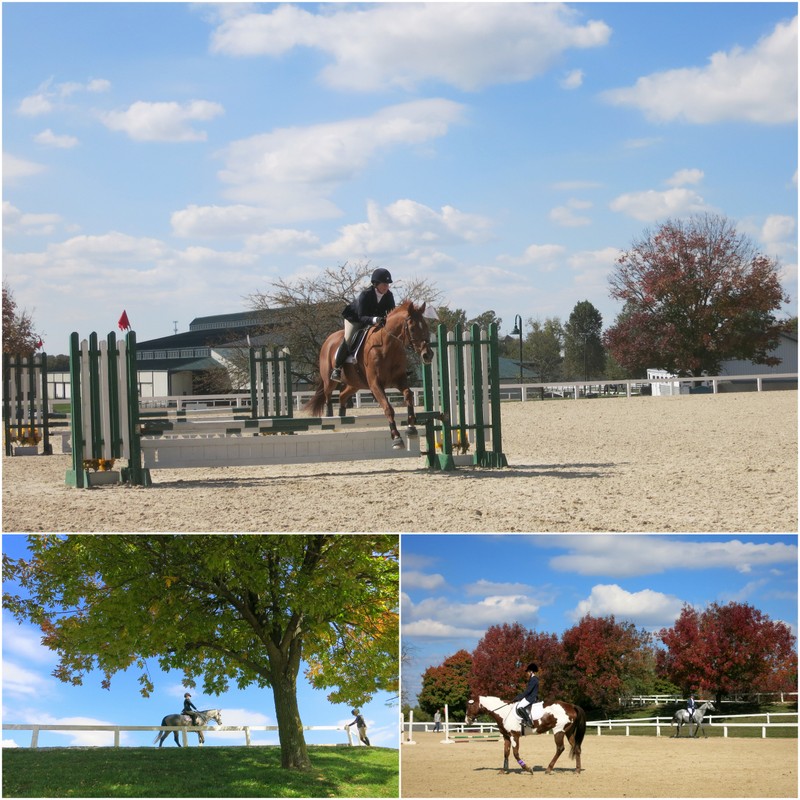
(381, 364)
(564, 719)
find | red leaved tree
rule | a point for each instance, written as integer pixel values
(447, 684)
(696, 293)
(499, 661)
(606, 660)
(729, 649)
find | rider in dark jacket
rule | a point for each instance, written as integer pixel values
(369, 308)
(530, 696)
(189, 708)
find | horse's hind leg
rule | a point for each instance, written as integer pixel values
(177, 741)
(559, 737)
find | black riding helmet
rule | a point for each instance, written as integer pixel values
(531, 668)
(381, 275)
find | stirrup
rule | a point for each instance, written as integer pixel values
(336, 374)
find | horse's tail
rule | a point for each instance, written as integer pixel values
(158, 735)
(580, 732)
(317, 403)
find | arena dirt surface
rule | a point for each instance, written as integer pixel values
(700, 463)
(613, 766)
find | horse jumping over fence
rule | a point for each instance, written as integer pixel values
(564, 719)
(681, 718)
(185, 720)
(380, 364)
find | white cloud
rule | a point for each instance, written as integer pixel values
(645, 608)
(403, 227)
(290, 172)
(413, 579)
(566, 217)
(651, 205)
(19, 681)
(484, 587)
(9, 743)
(545, 257)
(50, 96)
(162, 122)
(469, 46)
(758, 85)
(572, 80)
(15, 168)
(50, 139)
(684, 176)
(15, 221)
(778, 232)
(624, 556)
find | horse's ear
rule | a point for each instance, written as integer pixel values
(421, 309)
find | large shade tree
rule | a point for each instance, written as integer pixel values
(729, 648)
(447, 685)
(19, 334)
(247, 609)
(584, 356)
(695, 293)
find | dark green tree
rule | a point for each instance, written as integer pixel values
(543, 348)
(447, 685)
(248, 609)
(584, 355)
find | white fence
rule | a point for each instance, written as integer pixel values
(711, 720)
(754, 697)
(184, 730)
(615, 726)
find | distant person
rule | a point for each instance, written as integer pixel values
(437, 720)
(361, 726)
(530, 696)
(369, 308)
(690, 708)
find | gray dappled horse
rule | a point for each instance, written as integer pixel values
(186, 721)
(681, 718)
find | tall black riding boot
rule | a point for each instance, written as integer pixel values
(338, 360)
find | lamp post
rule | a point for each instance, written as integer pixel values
(518, 332)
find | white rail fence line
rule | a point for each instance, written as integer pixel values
(183, 729)
(643, 722)
(655, 699)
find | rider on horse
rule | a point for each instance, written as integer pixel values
(529, 696)
(189, 708)
(369, 308)
(690, 708)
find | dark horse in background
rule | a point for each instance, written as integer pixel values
(184, 720)
(564, 719)
(381, 364)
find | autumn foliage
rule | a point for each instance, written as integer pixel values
(729, 649)
(696, 293)
(722, 650)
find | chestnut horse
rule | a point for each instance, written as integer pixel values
(381, 364)
(564, 719)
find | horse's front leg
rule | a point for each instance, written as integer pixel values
(559, 737)
(411, 428)
(524, 766)
(388, 410)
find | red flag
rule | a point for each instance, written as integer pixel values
(124, 324)
(39, 344)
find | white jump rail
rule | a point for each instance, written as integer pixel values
(184, 730)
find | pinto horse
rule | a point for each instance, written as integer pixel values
(380, 364)
(564, 719)
(184, 719)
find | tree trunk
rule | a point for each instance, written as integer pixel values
(294, 753)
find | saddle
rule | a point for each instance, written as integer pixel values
(358, 342)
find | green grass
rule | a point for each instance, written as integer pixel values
(198, 772)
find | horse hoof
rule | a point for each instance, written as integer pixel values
(411, 431)
(398, 444)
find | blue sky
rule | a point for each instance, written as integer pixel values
(454, 587)
(171, 159)
(32, 695)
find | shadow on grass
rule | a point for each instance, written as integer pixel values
(195, 772)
